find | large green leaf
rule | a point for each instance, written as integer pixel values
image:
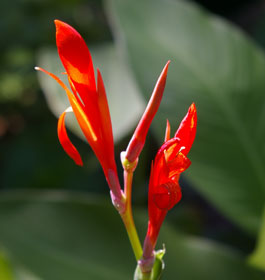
(258, 257)
(6, 272)
(63, 237)
(11, 271)
(125, 102)
(222, 71)
(59, 235)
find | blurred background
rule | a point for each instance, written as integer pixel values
(56, 220)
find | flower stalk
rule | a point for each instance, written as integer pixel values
(127, 216)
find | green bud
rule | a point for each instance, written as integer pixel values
(157, 269)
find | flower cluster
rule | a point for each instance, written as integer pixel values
(88, 101)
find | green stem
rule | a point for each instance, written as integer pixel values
(127, 216)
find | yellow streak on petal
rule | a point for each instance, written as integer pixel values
(79, 113)
(167, 134)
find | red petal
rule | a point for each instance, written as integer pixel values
(81, 117)
(179, 164)
(76, 59)
(105, 115)
(65, 141)
(187, 129)
(167, 195)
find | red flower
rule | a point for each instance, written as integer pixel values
(88, 102)
(164, 189)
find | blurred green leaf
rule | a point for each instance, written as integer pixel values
(258, 257)
(5, 268)
(222, 71)
(62, 235)
(23, 274)
(125, 102)
(35, 158)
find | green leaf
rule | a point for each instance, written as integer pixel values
(11, 271)
(6, 272)
(60, 235)
(23, 274)
(65, 236)
(214, 65)
(258, 257)
(125, 102)
(195, 258)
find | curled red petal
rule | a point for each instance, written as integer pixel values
(66, 143)
(81, 117)
(178, 165)
(167, 195)
(187, 129)
(76, 59)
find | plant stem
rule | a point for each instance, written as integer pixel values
(127, 216)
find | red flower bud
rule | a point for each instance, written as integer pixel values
(170, 161)
(138, 139)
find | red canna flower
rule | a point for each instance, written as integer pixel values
(88, 102)
(164, 190)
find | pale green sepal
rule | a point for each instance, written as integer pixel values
(157, 270)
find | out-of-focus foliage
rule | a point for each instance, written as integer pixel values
(30, 154)
(222, 71)
(258, 257)
(62, 234)
(5, 268)
(69, 254)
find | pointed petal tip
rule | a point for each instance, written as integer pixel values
(79, 162)
(167, 133)
(187, 128)
(193, 107)
(98, 74)
(168, 62)
(63, 28)
(164, 71)
(193, 111)
(58, 23)
(37, 68)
